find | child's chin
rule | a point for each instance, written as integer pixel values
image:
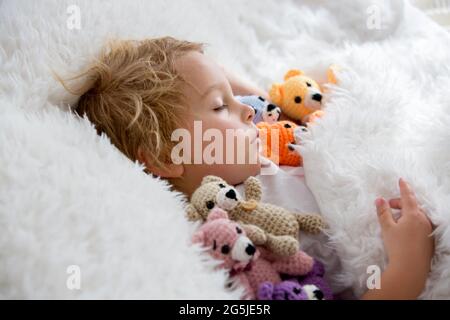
(239, 173)
(253, 169)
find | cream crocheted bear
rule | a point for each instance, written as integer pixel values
(265, 224)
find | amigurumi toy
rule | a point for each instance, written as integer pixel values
(300, 97)
(288, 290)
(250, 266)
(311, 286)
(275, 141)
(316, 278)
(264, 110)
(298, 137)
(280, 226)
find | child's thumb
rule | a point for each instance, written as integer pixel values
(384, 213)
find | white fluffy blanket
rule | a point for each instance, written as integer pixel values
(67, 197)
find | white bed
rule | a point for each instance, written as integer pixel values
(68, 197)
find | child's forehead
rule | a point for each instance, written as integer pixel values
(198, 71)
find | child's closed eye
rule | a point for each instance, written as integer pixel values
(222, 107)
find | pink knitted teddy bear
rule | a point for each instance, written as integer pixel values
(227, 241)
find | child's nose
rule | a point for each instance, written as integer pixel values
(248, 113)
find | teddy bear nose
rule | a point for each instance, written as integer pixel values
(318, 294)
(250, 249)
(317, 97)
(231, 194)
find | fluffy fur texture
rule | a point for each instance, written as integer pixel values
(68, 197)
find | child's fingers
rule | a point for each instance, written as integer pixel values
(384, 213)
(408, 198)
(395, 203)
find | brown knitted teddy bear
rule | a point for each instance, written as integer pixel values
(265, 224)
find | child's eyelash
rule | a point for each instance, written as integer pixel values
(221, 107)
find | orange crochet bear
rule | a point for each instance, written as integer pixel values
(275, 141)
(299, 96)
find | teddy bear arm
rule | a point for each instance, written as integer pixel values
(305, 119)
(254, 233)
(282, 246)
(311, 223)
(245, 283)
(296, 265)
(315, 115)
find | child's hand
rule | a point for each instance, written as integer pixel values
(407, 241)
(409, 247)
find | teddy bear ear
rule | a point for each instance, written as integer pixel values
(192, 214)
(332, 72)
(209, 179)
(292, 73)
(276, 93)
(253, 189)
(217, 213)
(198, 237)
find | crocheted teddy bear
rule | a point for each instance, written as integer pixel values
(275, 141)
(311, 286)
(316, 278)
(299, 132)
(280, 227)
(227, 242)
(288, 290)
(300, 97)
(264, 110)
(276, 136)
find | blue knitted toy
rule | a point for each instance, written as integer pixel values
(264, 110)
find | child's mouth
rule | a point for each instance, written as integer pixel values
(256, 139)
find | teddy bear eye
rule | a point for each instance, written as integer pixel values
(298, 99)
(287, 125)
(308, 84)
(238, 230)
(297, 290)
(225, 249)
(210, 204)
(221, 185)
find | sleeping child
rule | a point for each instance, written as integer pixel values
(139, 93)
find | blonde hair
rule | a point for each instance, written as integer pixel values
(133, 94)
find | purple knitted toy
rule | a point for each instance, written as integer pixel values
(286, 290)
(312, 286)
(289, 290)
(316, 277)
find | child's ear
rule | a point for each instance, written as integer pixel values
(170, 170)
